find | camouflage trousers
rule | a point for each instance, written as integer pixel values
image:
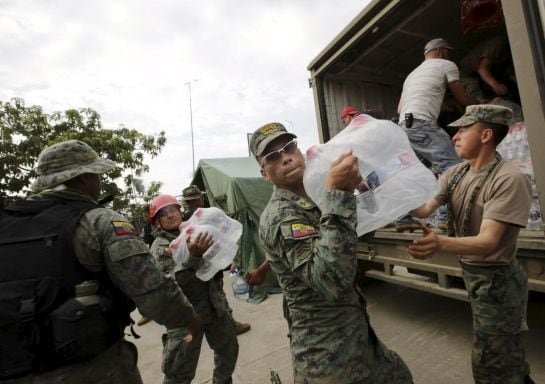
(116, 364)
(499, 298)
(347, 353)
(180, 359)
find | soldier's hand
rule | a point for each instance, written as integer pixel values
(255, 277)
(194, 328)
(426, 246)
(499, 88)
(344, 173)
(199, 245)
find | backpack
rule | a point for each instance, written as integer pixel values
(42, 325)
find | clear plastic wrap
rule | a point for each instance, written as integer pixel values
(395, 181)
(225, 233)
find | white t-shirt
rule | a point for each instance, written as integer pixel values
(424, 89)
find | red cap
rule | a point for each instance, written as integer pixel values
(349, 111)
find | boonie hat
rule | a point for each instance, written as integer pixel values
(436, 44)
(65, 160)
(264, 135)
(486, 113)
(191, 193)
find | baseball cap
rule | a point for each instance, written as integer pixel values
(436, 44)
(349, 111)
(264, 135)
(486, 113)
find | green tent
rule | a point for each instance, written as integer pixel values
(235, 185)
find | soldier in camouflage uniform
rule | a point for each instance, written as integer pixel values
(104, 241)
(488, 201)
(194, 199)
(314, 256)
(165, 208)
(179, 358)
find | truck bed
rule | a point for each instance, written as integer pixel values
(385, 257)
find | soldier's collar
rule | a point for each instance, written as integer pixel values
(68, 195)
(303, 202)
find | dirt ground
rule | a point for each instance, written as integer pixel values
(431, 333)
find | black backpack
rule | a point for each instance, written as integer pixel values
(41, 324)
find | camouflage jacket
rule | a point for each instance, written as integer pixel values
(162, 240)
(203, 295)
(314, 257)
(104, 239)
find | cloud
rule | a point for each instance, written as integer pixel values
(131, 61)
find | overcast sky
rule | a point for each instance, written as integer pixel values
(131, 61)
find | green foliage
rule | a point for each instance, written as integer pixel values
(25, 131)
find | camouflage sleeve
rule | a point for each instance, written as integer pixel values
(157, 250)
(104, 239)
(326, 261)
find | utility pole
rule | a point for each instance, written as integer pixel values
(191, 122)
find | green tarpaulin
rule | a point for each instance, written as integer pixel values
(235, 185)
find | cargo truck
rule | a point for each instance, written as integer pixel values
(365, 65)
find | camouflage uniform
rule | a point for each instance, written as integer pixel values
(314, 257)
(193, 193)
(104, 240)
(161, 241)
(498, 293)
(180, 359)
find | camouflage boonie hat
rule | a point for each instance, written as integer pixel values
(64, 161)
(191, 193)
(486, 113)
(264, 135)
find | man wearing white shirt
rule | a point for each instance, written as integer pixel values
(420, 104)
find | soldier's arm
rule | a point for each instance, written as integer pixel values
(332, 267)
(327, 263)
(160, 250)
(460, 93)
(129, 264)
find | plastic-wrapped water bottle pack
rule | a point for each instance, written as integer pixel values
(225, 233)
(514, 148)
(395, 181)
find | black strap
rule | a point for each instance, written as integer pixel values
(453, 183)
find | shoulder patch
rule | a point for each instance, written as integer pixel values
(305, 204)
(124, 228)
(302, 230)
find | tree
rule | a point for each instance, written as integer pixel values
(25, 131)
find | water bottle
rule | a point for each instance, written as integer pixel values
(216, 218)
(218, 257)
(241, 289)
(534, 219)
(509, 152)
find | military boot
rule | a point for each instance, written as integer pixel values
(241, 328)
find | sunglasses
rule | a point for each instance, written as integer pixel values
(274, 156)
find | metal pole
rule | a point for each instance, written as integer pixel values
(191, 122)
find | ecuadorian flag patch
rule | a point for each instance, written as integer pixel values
(302, 230)
(124, 228)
